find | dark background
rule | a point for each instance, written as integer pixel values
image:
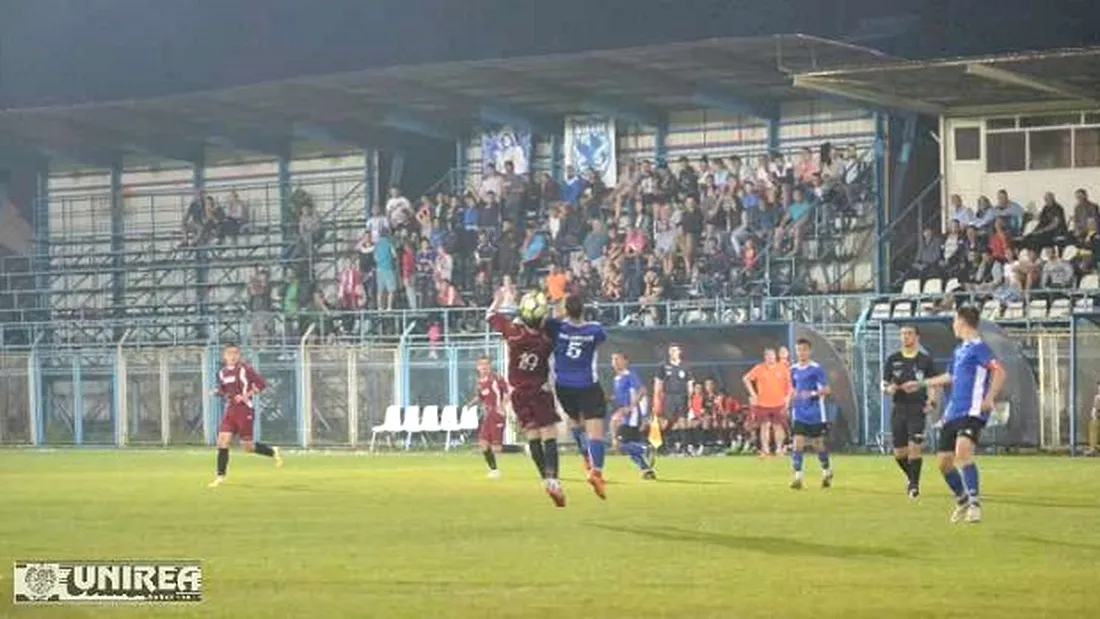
(71, 51)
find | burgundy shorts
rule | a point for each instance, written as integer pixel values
(769, 414)
(237, 420)
(534, 409)
(491, 429)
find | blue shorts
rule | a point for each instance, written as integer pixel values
(386, 281)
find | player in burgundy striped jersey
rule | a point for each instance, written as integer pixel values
(492, 390)
(238, 383)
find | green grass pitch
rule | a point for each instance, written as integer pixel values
(429, 536)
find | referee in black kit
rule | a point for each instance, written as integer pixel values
(911, 408)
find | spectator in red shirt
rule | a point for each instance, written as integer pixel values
(999, 241)
(408, 273)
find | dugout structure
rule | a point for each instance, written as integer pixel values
(727, 352)
(1084, 377)
(1016, 422)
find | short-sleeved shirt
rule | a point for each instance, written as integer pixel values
(902, 368)
(772, 382)
(575, 357)
(675, 380)
(626, 388)
(807, 379)
(529, 353)
(971, 375)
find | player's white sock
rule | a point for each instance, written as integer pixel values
(798, 475)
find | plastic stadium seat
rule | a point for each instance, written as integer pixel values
(1030, 226)
(880, 310)
(1069, 253)
(1059, 308)
(927, 308)
(448, 423)
(1090, 282)
(391, 424)
(1037, 309)
(469, 421)
(903, 309)
(991, 309)
(410, 425)
(952, 285)
(933, 286)
(429, 420)
(1014, 310)
(1083, 305)
(911, 287)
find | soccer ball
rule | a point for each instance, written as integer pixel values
(533, 307)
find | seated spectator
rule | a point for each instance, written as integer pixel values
(573, 187)
(612, 282)
(654, 288)
(534, 246)
(1011, 211)
(193, 221)
(953, 243)
(213, 223)
(805, 168)
(983, 216)
(1051, 229)
(449, 295)
(1083, 211)
(986, 274)
(1022, 271)
(548, 193)
(1088, 247)
(959, 211)
(595, 242)
(794, 222)
(1056, 273)
(1000, 241)
(484, 253)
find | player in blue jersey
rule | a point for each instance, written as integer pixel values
(576, 383)
(976, 378)
(809, 387)
(629, 417)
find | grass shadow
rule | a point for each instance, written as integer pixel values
(776, 546)
(694, 482)
(1042, 541)
(1038, 502)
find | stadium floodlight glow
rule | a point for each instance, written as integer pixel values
(1013, 78)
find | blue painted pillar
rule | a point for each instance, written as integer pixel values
(41, 231)
(370, 176)
(773, 135)
(660, 141)
(458, 179)
(118, 246)
(557, 154)
(202, 268)
(881, 188)
(286, 206)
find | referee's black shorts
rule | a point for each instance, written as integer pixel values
(582, 402)
(907, 424)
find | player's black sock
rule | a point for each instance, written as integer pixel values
(490, 459)
(903, 464)
(223, 461)
(550, 452)
(263, 449)
(914, 470)
(538, 456)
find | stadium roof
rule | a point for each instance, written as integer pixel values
(392, 107)
(1014, 83)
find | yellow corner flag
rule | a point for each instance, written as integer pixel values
(655, 437)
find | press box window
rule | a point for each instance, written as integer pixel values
(968, 144)
(1005, 152)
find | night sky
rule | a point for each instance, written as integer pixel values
(71, 51)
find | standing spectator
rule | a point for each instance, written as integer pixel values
(484, 254)
(350, 296)
(489, 215)
(509, 294)
(491, 182)
(309, 231)
(236, 214)
(377, 223)
(507, 253)
(444, 265)
(687, 180)
(483, 289)
(291, 304)
(213, 222)
(399, 211)
(259, 304)
(793, 224)
(548, 193)
(556, 283)
(595, 242)
(364, 250)
(574, 186)
(1083, 211)
(193, 221)
(1051, 228)
(514, 188)
(385, 263)
(533, 248)
(424, 279)
(408, 272)
(691, 227)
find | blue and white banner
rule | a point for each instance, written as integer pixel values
(503, 144)
(590, 143)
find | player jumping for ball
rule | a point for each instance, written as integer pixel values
(529, 351)
(238, 383)
(491, 391)
(577, 383)
(809, 386)
(976, 377)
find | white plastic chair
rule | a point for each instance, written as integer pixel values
(469, 420)
(903, 309)
(391, 424)
(1014, 310)
(933, 286)
(1059, 308)
(1089, 282)
(448, 422)
(1069, 253)
(952, 285)
(911, 287)
(1037, 309)
(880, 311)
(410, 425)
(429, 422)
(992, 309)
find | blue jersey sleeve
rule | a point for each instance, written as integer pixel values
(552, 327)
(983, 356)
(822, 377)
(636, 384)
(600, 335)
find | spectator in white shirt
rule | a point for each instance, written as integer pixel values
(959, 211)
(398, 210)
(1056, 273)
(491, 182)
(376, 223)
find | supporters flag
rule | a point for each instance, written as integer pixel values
(114, 582)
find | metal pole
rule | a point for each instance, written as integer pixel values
(353, 395)
(401, 368)
(35, 417)
(165, 400)
(78, 401)
(122, 420)
(1072, 386)
(305, 394)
